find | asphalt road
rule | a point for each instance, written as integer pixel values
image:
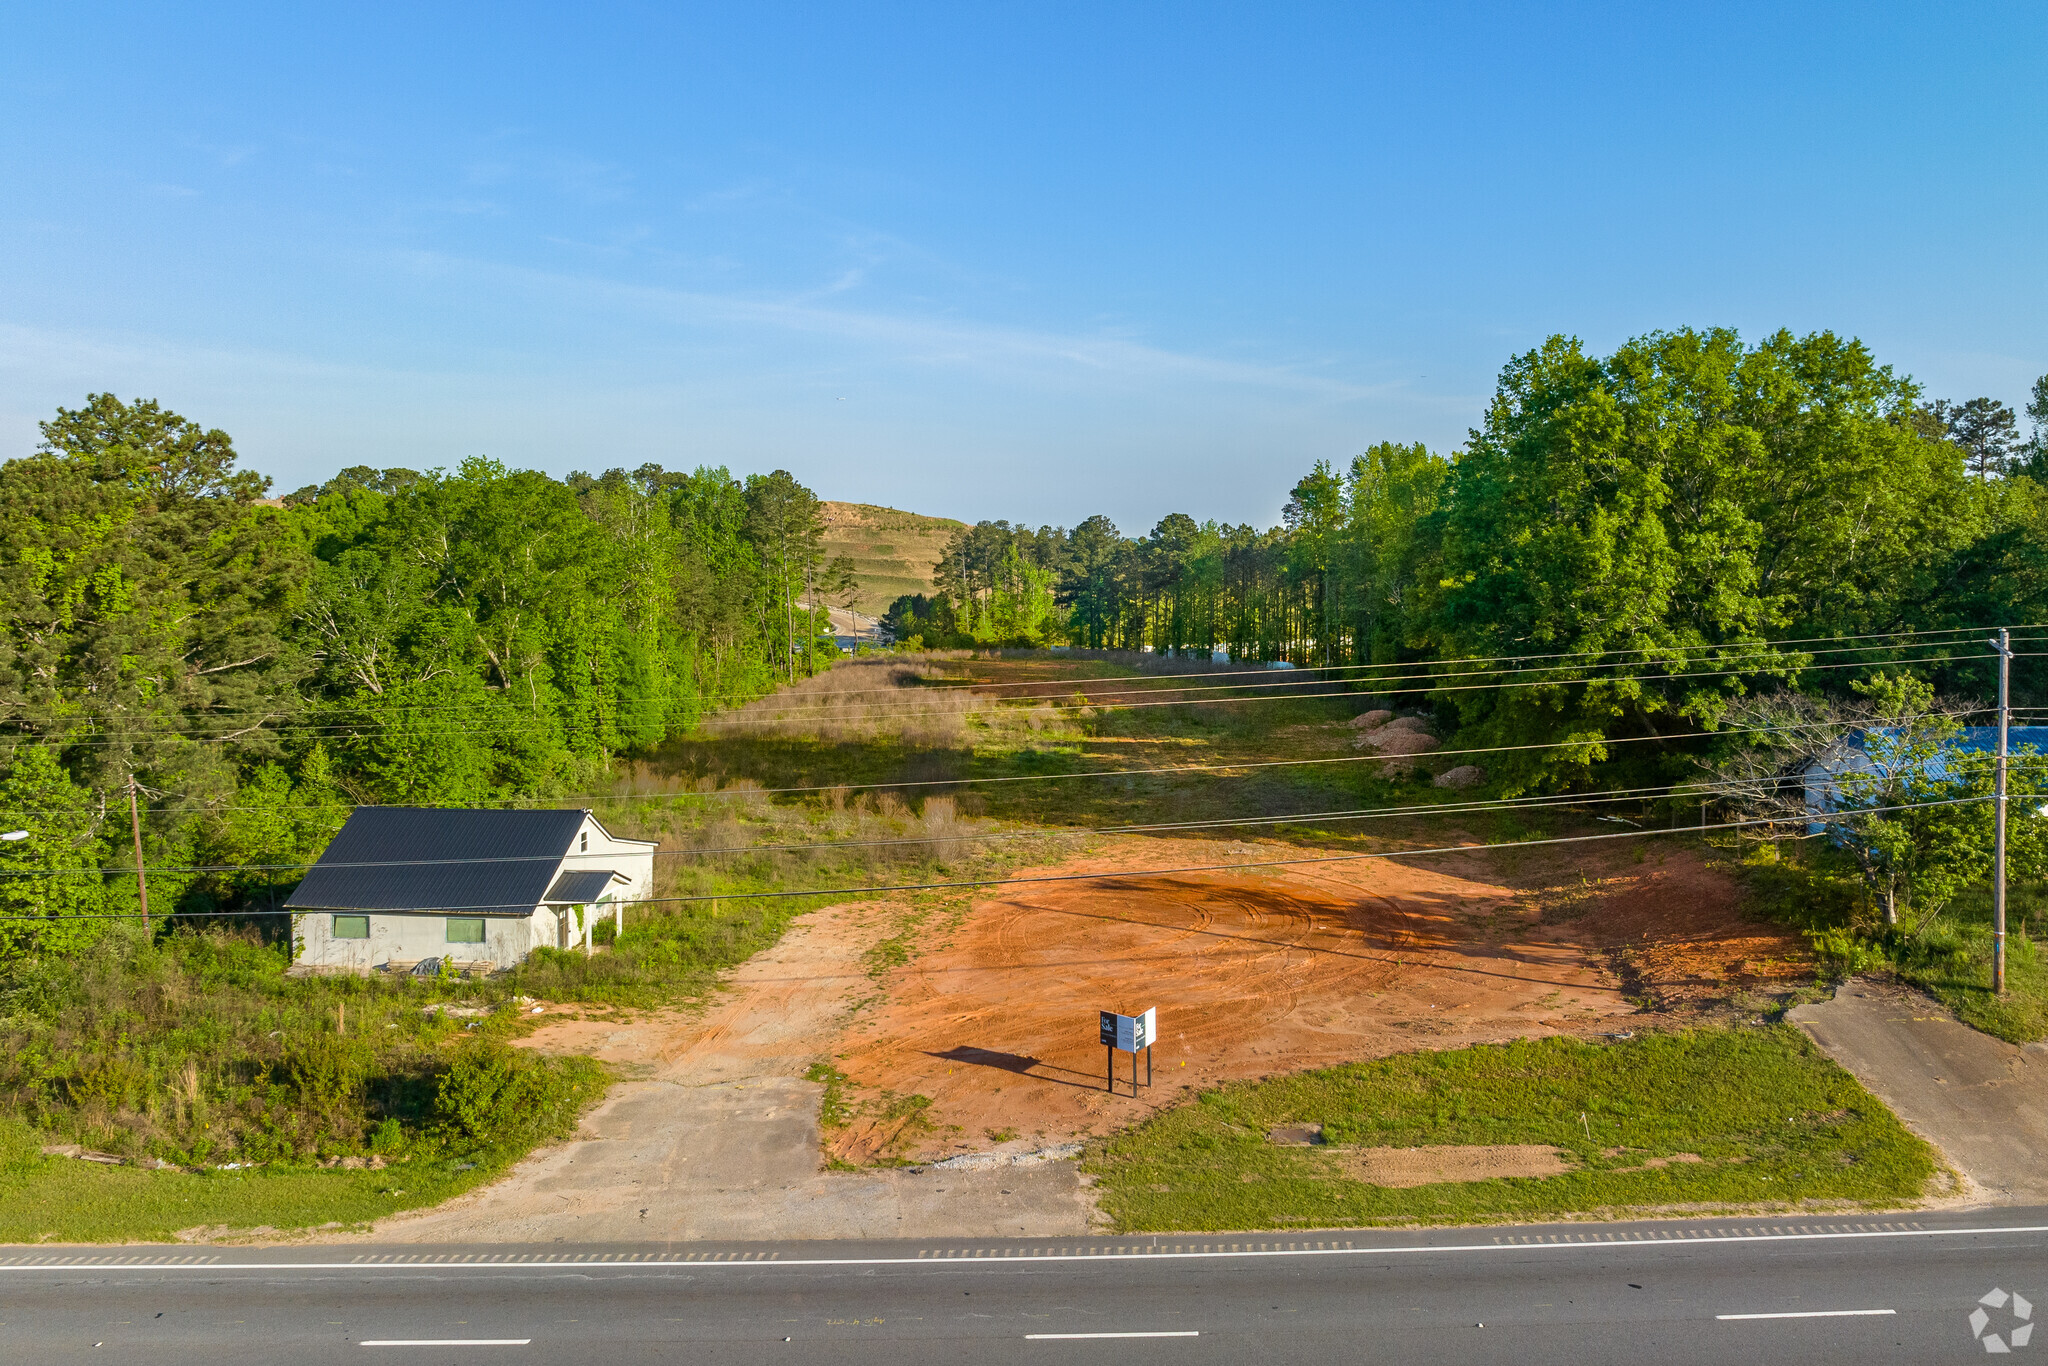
(1898, 1288)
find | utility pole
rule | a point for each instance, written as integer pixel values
(2003, 644)
(142, 883)
(788, 605)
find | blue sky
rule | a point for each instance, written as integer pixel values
(1025, 261)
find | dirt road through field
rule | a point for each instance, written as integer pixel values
(718, 1138)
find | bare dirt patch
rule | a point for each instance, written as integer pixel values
(1405, 1167)
(992, 1028)
(1673, 931)
(1252, 973)
(713, 1132)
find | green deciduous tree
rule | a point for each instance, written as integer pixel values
(38, 875)
(1683, 501)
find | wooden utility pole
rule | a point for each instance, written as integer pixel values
(135, 825)
(2003, 644)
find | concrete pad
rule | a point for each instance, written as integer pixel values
(1981, 1101)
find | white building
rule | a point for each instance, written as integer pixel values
(480, 889)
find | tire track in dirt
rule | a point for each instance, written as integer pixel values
(1252, 973)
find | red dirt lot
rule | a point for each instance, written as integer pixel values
(1255, 973)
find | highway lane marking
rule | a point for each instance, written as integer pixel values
(1814, 1314)
(760, 1262)
(1069, 1337)
(445, 1342)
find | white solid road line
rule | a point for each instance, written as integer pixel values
(445, 1342)
(624, 1261)
(1068, 1337)
(1815, 1314)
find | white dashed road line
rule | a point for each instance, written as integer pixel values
(1070, 1337)
(446, 1342)
(1815, 1314)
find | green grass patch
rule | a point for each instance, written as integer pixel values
(834, 1110)
(1773, 1120)
(491, 1106)
(1947, 955)
(65, 1201)
(1950, 958)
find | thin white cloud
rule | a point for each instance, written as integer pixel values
(925, 340)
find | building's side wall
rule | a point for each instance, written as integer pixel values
(401, 938)
(634, 858)
(555, 928)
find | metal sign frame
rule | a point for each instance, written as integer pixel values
(1130, 1034)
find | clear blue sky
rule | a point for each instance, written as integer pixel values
(1032, 261)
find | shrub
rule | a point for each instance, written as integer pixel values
(493, 1095)
(1842, 953)
(21, 1149)
(328, 1071)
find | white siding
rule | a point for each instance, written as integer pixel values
(634, 858)
(407, 938)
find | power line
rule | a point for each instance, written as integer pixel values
(1271, 667)
(821, 714)
(344, 730)
(1755, 651)
(743, 793)
(1423, 682)
(1454, 807)
(1447, 808)
(1122, 876)
(1492, 659)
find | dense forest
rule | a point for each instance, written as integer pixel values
(245, 668)
(254, 666)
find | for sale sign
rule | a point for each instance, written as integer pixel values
(1129, 1033)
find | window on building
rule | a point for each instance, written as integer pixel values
(351, 927)
(584, 848)
(465, 931)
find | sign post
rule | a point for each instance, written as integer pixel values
(1128, 1034)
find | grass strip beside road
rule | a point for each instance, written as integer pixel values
(68, 1201)
(1734, 1117)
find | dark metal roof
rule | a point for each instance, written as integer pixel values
(581, 887)
(405, 858)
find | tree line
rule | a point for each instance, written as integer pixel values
(1669, 529)
(249, 668)
(1685, 505)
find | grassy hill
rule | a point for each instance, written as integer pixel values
(892, 552)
